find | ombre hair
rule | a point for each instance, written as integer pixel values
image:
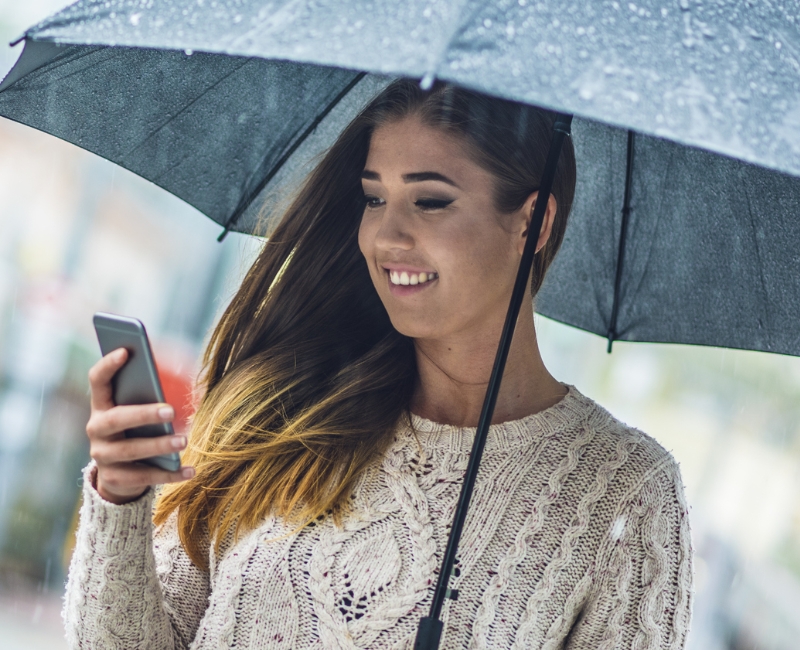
(305, 379)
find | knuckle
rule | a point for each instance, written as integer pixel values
(94, 374)
(94, 427)
(96, 453)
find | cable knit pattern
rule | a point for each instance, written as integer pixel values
(577, 539)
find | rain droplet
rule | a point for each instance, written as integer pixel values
(684, 5)
(188, 52)
(618, 528)
(135, 19)
(427, 81)
(487, 23)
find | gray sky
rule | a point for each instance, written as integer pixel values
(15, 17)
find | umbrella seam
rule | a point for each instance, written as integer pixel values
(764, 301)
(185, 107)
(652, 239)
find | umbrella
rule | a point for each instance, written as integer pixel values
(712, 262)
(685, 224)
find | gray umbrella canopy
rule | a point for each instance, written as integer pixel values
(223, 103)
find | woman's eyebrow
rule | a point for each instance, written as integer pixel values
(417, 177)
(428, 176)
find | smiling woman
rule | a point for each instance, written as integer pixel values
(341, 387)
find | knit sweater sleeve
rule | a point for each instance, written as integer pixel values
(643, 577)
(130, 586)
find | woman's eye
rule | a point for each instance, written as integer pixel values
(432, 204)
(372, 201)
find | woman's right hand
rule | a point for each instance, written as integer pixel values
(120, 479)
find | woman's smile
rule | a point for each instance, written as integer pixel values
(408, 281)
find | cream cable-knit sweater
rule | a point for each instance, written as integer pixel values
(577, 538)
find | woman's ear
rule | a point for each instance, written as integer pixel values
(547, 222)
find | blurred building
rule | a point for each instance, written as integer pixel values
(78, 235)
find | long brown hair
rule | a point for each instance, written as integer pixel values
(305, 379)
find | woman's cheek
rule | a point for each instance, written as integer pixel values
(366, 240)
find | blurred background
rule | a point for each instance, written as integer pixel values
(78, 235)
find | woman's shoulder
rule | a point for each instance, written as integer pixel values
(612, 445)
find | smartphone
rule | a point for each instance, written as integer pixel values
(137, 381)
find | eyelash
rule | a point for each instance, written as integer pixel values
(372, 202)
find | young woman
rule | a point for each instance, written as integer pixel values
(340, 393)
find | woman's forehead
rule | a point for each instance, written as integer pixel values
(409, 146)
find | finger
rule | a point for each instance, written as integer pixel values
(125, 479)
(108, 423)
(133, 449)
(100, 378)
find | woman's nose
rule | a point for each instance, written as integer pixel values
(395, 230)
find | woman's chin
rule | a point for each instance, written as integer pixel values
(415, 328)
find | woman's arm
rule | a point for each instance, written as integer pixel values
(644, 574)
(127, 588)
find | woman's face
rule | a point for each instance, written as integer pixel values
(441, 256)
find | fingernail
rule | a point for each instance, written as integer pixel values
(178, 442)
(166, 413)
(187, 472)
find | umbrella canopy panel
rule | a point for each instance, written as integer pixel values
(712, 253)
(206, 128)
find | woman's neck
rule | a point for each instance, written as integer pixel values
(453, 375)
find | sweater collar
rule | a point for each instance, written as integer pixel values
(503, 436)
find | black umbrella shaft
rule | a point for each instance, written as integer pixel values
(623, 235)
(430, 627)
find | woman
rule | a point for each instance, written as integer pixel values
(340, 392)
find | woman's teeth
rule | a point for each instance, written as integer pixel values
(411, 278)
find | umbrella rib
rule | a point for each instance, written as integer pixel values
(623, 234)
(759, 260)
(252, 194)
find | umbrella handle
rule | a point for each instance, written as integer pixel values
(430, 627)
